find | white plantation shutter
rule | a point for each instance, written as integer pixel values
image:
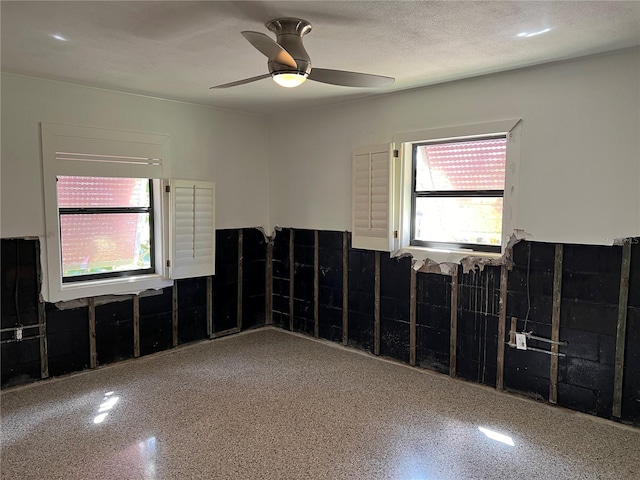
(96, 152)
(192, 230)
(372, 195)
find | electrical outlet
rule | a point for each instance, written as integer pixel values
(521, 341)
(19, 334)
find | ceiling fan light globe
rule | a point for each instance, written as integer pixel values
(289, 80)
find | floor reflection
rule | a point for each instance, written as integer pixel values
(137, 460)
(147, 450)
(493, 435)
(108, 402)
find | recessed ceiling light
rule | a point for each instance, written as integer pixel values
(533, 34)
(59, 37)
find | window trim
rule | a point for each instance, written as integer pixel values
(404, 185)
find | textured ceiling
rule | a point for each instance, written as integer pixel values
(176, 50)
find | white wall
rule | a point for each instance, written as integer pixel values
(580, 148)
(218, 145)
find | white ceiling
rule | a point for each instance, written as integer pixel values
(177, 50)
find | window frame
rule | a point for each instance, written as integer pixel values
(477, 247)
(403, 186)
(149, 210)
(106, 153)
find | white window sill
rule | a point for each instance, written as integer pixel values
(443, 261)
(109, 286)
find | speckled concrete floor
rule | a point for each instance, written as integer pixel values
(271, 405)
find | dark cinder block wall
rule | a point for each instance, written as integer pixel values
(378, 315)
(318, 285)
(330, 291)
(162, 320)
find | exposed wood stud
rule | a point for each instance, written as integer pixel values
(502, 328)
(136, 326)
(209, 307)
(345, 288)
(412, 318)
(93, 353)
(376, 306)
(174, 314)
(621, 331)
(316, 284)
(240, 256)
(268, 290)
(42, 321)
(291, 274)
(555, 323)
(453, 333)
(44, 355)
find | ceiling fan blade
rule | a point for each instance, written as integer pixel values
(268, 47)
(242, 82)
(349, 79)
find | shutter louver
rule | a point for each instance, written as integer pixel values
(193, 229)
(372, 198)
(92, 152)
(90, 157)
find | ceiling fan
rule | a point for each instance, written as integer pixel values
(289, 63)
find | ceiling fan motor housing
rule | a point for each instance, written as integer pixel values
(289, 33)
(289, 64)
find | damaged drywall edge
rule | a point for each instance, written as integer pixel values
(429, 266)
(470, 263)
(267, 238)
(270, 239)
(104, 299)
(422, 262)
(275, 231)
(619, 242)
(516, 236)
(278, 228)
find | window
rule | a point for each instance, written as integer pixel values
(114, 225)
(458, 192)
(106, 227)
(439, 195)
